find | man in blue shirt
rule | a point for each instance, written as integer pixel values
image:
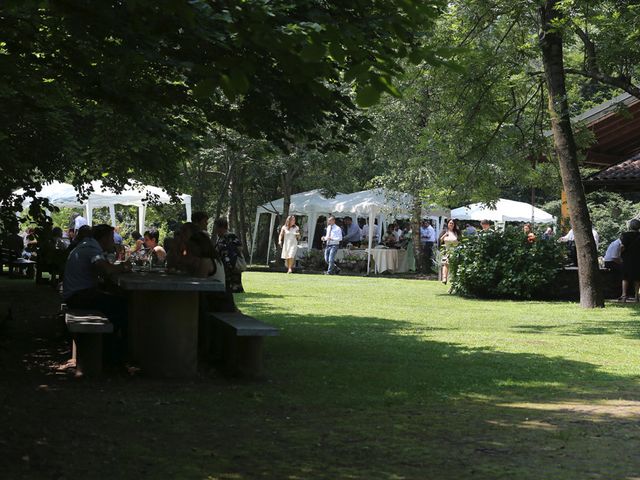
(352, 232)
(85, 264)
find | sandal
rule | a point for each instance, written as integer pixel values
(622, 299)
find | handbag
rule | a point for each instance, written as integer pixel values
(241, 264)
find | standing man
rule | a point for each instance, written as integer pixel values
(333, 237)
(352, 232)
(78, 222)
(428, 239)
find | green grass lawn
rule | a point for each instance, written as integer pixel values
(371, 378)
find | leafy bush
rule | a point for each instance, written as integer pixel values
(313, 260)
(505, 265)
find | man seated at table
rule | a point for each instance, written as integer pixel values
(376, 233)
(352, 233)
(151, 240)
(86, 263)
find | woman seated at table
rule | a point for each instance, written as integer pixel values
(202, 260)
(151, 240)
(389, 239)
(176, 256)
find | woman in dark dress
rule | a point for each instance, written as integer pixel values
(630, 260)
(229, 249)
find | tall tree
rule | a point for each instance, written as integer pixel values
(551, 45)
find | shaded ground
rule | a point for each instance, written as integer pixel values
(370, 379)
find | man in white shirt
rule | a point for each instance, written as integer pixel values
(570, 237)
(613, 256)
(570, 240)
(365, 234)
(79, 222)
(427, 239)
(333, 237)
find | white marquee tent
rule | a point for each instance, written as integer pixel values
(65, 195)
(371, 204)
(504, 211)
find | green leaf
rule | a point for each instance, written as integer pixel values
(204, 88)
(367, 96)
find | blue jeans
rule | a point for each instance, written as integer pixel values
(330, 257)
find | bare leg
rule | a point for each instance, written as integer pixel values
(289, 265)
(445, 273)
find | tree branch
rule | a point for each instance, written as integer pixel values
(622, 82)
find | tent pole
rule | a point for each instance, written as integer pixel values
(142, 212)
(272, 224)
(187, 207)
(312, 218)
(255, 235)
(112, 214)
(371, 227)
(89, 215)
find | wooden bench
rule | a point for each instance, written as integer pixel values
(239, 341)
(87, 327)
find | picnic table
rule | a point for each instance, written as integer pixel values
(163, 320)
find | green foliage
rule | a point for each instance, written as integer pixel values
(504, 265)
(313, 260)
(610, 212)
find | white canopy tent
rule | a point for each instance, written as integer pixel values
(311, 204)
(371, 204)
(380, 203)
(504, 211)
(65, 195)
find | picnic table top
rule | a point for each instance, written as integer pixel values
(166, 282)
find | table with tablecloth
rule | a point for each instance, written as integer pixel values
(389, 259)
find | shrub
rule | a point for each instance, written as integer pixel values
(313, 260)
(505, 265)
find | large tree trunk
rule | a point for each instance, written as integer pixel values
(565, 146)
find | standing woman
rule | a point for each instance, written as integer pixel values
(229, 249)
(288, 240)
(449, 239)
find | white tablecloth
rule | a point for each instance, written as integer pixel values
(340, 254)
(389, 259)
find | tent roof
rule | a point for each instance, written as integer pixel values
(381, 201)
(65, 195)
(301, 204)
(505, 211)
(358, 203)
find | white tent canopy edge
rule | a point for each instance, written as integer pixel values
(504, 211)
(135, 194)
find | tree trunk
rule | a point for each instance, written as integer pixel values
(223, 192)
(416, 220)
(231, 211)
(565, 146)
(242, 224)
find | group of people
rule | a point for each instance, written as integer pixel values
(192, 250)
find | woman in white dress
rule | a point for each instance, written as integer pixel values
(288, 240)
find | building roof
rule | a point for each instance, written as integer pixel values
(615, 125)
(622, 176)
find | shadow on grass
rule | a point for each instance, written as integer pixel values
(348, 397)
(624, 328)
